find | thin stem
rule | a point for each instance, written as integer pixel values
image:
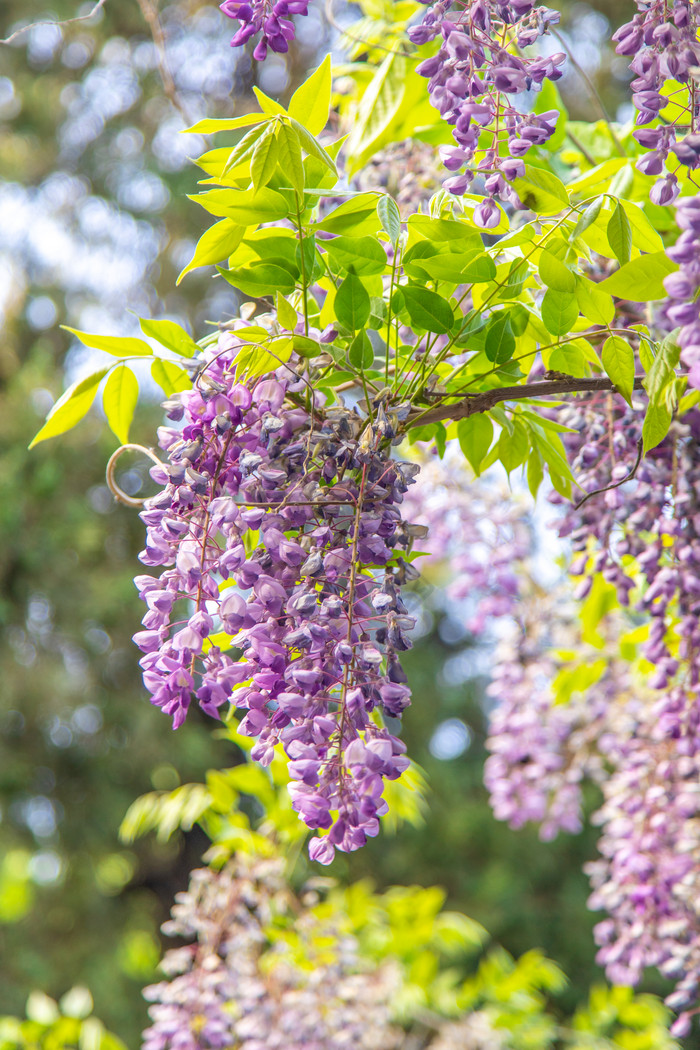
(304, 299)
(51, 22)
(592, 90)
(150, 14)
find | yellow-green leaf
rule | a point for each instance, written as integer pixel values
(618, 362)
(267, 104)
(169, 377)
(219, 241)
(170, 335)
(265, 155)
(640, 280)
(209, 126)
(119, 399)
(117, 345)
(290, 161)
(70, 407)
(311, 102)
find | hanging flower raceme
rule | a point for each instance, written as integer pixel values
(683, 287)
(663, 38)
(473, 80)
(267, 18)
(281, 527)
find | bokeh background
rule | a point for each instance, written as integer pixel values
(94, 227)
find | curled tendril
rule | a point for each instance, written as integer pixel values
(114, 488)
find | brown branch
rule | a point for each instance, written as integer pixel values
(149, 11)
(487, 399)
(50, 22)
(615, 484)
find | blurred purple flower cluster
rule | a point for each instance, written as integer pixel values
(473, 76)
(474, 530)
(663, 37)
(269, 19)
(683, 287)
(281, 528)
(234, 985)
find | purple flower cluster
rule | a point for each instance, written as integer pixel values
(234, 985)
(663, 37)
(267, 18)
(476, 532)
(683, 287)
(282, 538)
(644, 535)
(647, 877)
(471, 80)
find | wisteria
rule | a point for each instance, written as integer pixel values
(278, 526)
(477, 69)
(230, 986)
(267, 18)
(663, 39)
(683, 307)
(479, 536)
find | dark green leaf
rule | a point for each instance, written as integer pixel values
(500, 341)
(360, 352)
(352, 303)
(428, 310)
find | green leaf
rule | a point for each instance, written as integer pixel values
(263, 278)
(390, 218)
(587, 218)
(267, 104)
(535, 472)
(286, 314)
(513, 448)
(169, 377)
(559, 311)
(361, 255)
(312, 147)
(618, 362)
(644, 236)
(475, 434)
(446, 230)
(209, 126)
(352, 303)
(246, 207)
(474, 267)
(555, 274)
(568, 358)
(119, 399)
(642, 279)
(116, 345)
(619, 234)
(70, 408)
(245, 149)
(379, 104)
(595, 304)
(427, 310)
(264, 157)
(311, 102)
(170, 335)
(500, 341)
(290, 160)
(541, 191)
(361, 352)
(656, 424)
(307, 347)
(662, 370)
(347, 217)
(217, 243)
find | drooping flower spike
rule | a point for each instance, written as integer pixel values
(473, 81)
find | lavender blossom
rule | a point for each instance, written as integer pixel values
(683, 287)
(266, 18)
(470, 80)
(276, 526)
(663, 38)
